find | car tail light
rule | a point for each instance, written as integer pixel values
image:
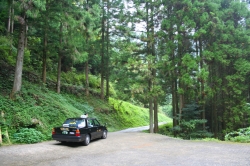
(77, 132)
(53, 131)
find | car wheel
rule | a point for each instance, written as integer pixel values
(104, 134)
(87, 140)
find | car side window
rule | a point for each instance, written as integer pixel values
(90, 123)
(96, 123)
(81, 123)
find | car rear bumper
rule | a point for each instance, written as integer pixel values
(68, 138)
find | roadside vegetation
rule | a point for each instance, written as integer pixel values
(241, 135)
(36, 110)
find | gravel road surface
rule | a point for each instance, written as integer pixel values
(128, 148)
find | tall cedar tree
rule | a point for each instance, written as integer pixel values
(26, 9)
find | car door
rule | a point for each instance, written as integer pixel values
(92, 128)
(98, 129)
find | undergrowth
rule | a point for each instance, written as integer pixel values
(37, 109)
(241, 135)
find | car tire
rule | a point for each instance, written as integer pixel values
(87, 140)
(104, 134)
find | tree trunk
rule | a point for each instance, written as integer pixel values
(58, 87)
(152, 38)
(12, 20)
(202, 85)
(214, 116)
(44, 56)
(151, 115)
(174, 103)
(45, 45)
(155, 115)
(59, 67)
(1, 139)
(9, 18)
(180, 47)
(107, 60)
(87, 78)
(10, 25)
(215, 120)
(102, 53)
(19, 61)
(181, 105)
(107, 86)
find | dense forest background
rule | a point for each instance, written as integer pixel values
(192, 54)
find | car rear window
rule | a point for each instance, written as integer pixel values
(74, 122)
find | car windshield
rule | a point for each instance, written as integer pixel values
(74, 122)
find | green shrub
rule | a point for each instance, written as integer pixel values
(73, 78)
(94, 81)
(241, 135)
(166, 129)
(28, 135)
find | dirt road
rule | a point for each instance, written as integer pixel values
(128, 149)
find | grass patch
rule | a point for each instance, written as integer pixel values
(211, 139)
(166, 129)
(128, 115)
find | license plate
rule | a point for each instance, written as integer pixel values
(64, 132)
(64, 129)
(71, 132)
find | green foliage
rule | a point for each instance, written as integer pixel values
(27, 59)
(190, 125)
(94, 81)
(28, 136)
(241, 135)
(73, 78)
(130, 115)
(166, 129)
(191, 129)
(31, 10)
(167, 109)
(5, 47)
